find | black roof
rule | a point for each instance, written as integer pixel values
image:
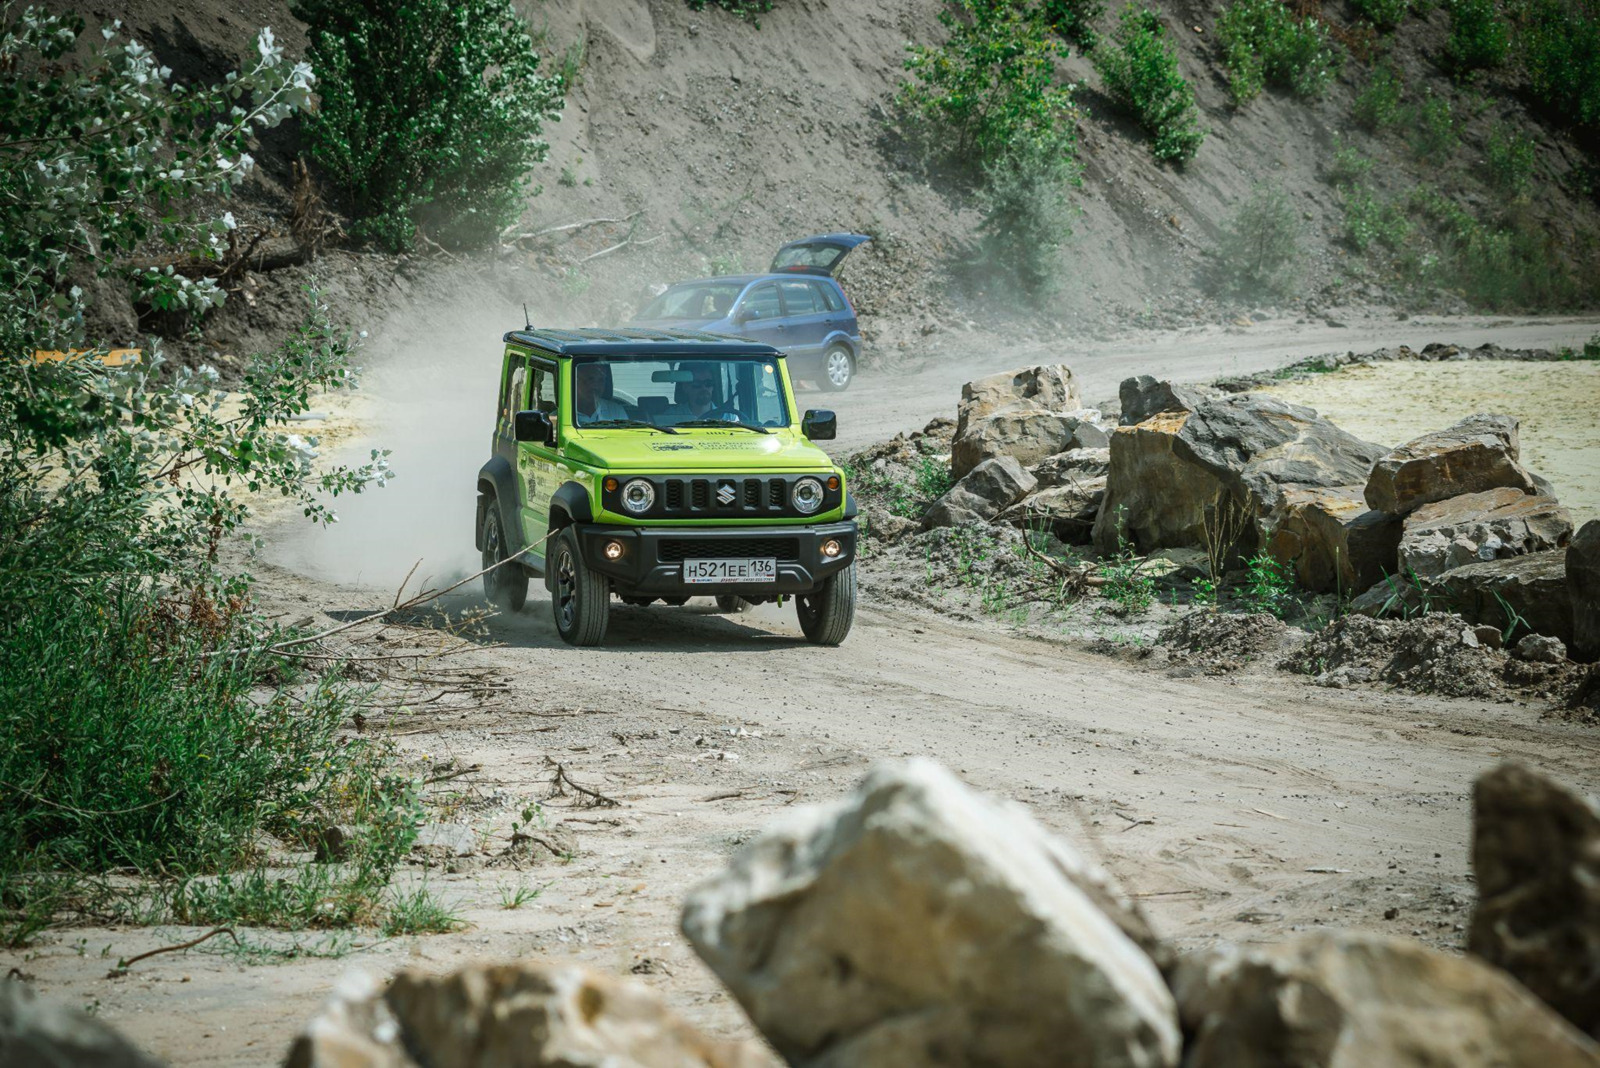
(600, 342)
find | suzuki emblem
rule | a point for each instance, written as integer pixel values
(726, 493)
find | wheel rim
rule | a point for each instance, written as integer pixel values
(838, 367)
(566, 590)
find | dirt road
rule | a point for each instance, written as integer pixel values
(1238, 808)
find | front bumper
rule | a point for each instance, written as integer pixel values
(652, 560)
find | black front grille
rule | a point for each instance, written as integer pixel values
(723, 496)
(675, 549)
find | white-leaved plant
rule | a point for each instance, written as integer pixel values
(132, 476)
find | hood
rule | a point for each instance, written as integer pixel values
(708, 449)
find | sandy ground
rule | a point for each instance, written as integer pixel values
(1243, 808)
(1557, 403)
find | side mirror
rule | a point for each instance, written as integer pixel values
(819, 424)
(536, 426)
(742, 316)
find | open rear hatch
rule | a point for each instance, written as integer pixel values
(816, 255)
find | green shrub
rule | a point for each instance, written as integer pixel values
(131, 740)
(1378, 106)
(1509, 157)
(1479, 35)
(1260, 246)
(1559, 47)
(1264, 44)
(1432, 130)
(430, 114)
(1127, 586)
(1074, 20)
(1268, 585)
(1384, 14)
(1349, 166)
(1026, 219)
(1369, 221)
(990, 90)
(1140, 68)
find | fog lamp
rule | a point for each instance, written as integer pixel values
(831, 547)
(613, 550)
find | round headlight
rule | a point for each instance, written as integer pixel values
(807, 496)
(638, 496)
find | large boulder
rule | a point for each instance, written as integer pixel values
(1536, 854)
(40, 1033)
(1348, 1000)
(1067, 511)
(982, 494)
(1028, 414)
(1475, 527)
(916, 923)
(506, 1016)
(1142, 396)
(1245, 451)
(1482, 452)
(1583, 588)
(1533, 586)
(1048, 388)
(1027, 436)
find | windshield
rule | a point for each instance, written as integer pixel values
(696, 300)
(653, 391)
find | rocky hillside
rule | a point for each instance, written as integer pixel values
(711, 139)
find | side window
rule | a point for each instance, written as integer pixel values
(543, 388)
(762, 302)
(829, 297)
(513, 391)
(799, 298)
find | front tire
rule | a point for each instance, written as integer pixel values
(825, 616)
(506, 587)
(582, 596)
(838, 369)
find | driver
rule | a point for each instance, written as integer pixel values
(697, 398)
(590, 404)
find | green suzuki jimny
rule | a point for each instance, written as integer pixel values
(659, 466)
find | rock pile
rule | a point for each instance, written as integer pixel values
(917, 924)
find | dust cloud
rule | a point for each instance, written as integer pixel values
(427, 394)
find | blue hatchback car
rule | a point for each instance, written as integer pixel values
(797, 306)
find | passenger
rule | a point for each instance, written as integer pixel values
(697, 398)
(591, 395)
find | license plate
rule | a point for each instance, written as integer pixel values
(763, 569)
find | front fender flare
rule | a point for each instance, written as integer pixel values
(499, 478)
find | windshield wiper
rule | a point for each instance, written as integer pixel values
(724, 422)
(617, 424)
